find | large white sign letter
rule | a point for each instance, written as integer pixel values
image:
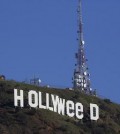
(18, 98)
(94, 112)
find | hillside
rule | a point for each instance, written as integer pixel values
(38, 121)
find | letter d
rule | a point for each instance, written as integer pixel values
(94, 112)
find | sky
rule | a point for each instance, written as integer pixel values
(38, 37)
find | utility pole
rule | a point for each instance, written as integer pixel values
(81, 80)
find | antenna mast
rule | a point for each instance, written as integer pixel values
(81, 80)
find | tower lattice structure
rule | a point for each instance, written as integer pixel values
(81, 78)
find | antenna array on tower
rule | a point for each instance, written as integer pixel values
(81, 80)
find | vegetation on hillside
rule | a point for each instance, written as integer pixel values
(38, 121)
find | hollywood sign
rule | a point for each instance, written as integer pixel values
(59, 105)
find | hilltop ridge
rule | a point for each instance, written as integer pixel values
(39, 121)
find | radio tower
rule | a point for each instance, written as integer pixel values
(81, 80)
